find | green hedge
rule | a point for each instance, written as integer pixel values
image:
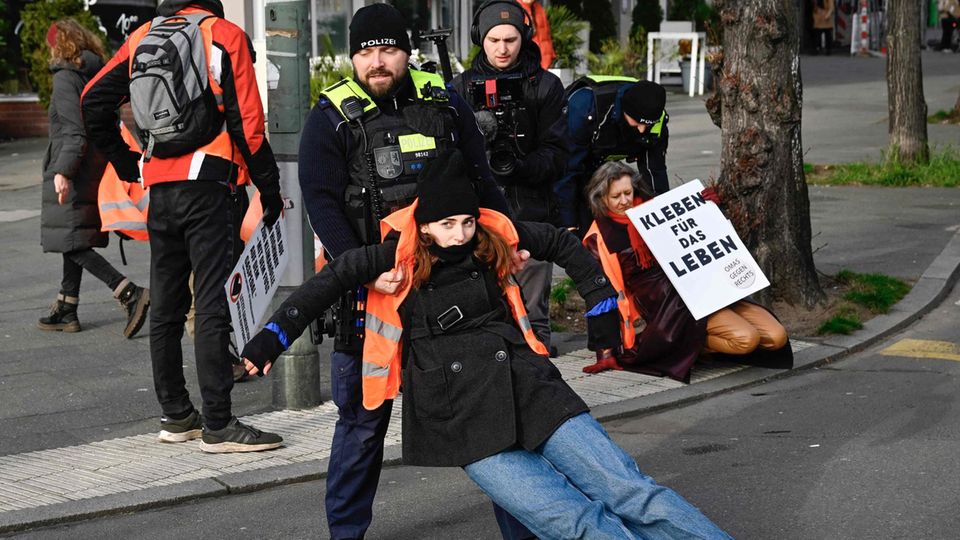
(37, 18)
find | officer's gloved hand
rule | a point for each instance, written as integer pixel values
(272, 207)
(127, 165)
(264, 348)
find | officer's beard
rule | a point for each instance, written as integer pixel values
(381, 90)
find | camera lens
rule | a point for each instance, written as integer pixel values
(502, 161)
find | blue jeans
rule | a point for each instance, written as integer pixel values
(580, 484)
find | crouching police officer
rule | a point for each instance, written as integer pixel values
(519, 107)
(361, 149)
(612, 118)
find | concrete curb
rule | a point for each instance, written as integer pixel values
(932, 287)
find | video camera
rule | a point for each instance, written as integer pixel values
(498, 103)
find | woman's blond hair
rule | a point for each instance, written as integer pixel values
(491, 248)
(72, 39)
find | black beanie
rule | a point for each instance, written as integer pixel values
(378, 25)
(444, 189)
(171, 7)
(644, 102)
(499, 13)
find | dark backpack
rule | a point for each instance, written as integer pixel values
(173, 103)
(605, 139)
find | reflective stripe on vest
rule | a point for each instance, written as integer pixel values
(658, 127)
(423, 83)
(600, 79)
(123, 205)
(629, 315)
(222, 146)
(384, 329)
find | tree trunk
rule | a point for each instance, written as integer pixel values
(758, 106)
(956, 108)
(907, 108)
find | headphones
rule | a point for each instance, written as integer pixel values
(526, 34)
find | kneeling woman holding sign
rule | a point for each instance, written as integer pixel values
(672, 339)
(479, 390)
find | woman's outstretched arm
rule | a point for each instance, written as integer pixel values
(352, 269)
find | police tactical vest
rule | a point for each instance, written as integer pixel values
(609, 140)
(389, 150)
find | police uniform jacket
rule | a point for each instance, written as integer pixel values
(327, 146)
(472, 387)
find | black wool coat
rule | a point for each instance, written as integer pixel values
(473, 388)
(75, 224)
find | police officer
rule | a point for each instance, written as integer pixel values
(525, 135)
(361, 149)
(612, 118)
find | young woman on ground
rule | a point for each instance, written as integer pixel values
(672, 339)
(479, 390)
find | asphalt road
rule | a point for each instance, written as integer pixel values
(862, 448)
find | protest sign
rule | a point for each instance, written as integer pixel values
(698, 249)
(255, 278)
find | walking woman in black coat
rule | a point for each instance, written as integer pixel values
(479, 390)
(69, 217)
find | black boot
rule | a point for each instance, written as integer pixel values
(62, 317)
(135, 301)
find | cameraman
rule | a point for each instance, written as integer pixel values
(525, 136)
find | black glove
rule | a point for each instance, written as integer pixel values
(126, 165)
(272, 207)
(603, 331)
(264, 347)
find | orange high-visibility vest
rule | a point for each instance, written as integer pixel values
(123, 205)
(222, 146)
(381, 346)
(629, 314)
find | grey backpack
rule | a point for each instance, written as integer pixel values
(173, 104)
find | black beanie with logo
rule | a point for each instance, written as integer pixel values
(644, 102)
(444, 189)
(497, 13)
(378, 25)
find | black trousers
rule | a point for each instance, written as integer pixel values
(75, 262)
(946, 26)
(192, 226)
(822, 40)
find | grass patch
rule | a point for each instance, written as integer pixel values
(844, 323)
(876, 292)
(943, 170)
(560, 292)
(865, 294)
(567, 308)
(944, 117)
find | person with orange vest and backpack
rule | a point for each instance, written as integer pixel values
(188, 75)
(479, 389)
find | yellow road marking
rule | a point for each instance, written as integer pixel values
(924, 348)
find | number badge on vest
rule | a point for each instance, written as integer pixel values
(389, 161)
